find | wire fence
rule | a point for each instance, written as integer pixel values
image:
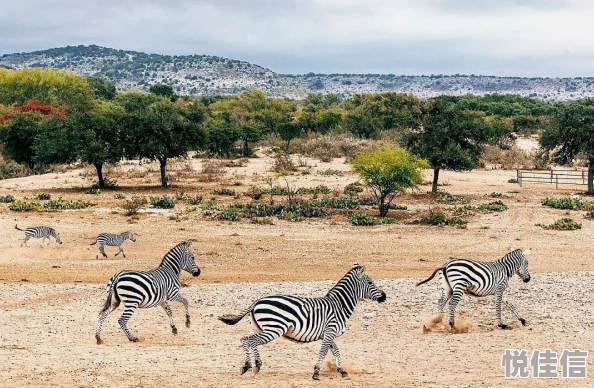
(553, 177)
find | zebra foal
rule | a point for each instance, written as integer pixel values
(144, 289)
(113, 240)
(44, 232)
(306, 319)
(480, 278)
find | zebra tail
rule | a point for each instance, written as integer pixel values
(94, 242)
(17, 227)
(230, 319)
(430, 277)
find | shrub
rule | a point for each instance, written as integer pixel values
(283, 164)
(229, 214)
(262, 221)
(567, 204)
(42, 196)
(224, 191)
(162, 202)
(132, 206)
(212, 170)
(330, 172)
(353, 189)
(10, 169)
(496, 194)
(562, 224)
(93, 191)
(7, 198)
(440, 218)
(495, 206)
(388, 172)
(119, 196)
(108, 183)
(23, 206)
(66, 204)
(320, 189)
(446, 198)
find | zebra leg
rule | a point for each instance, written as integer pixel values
(245, 346)
(184, 301)
(107, 309)
(336, 354)
(25, 241)
(167, 308)
(498, 300)
(513, 310)
(102, 250)
(326, 344)
(457, 293)
(119, 250)
(253, 341)
(123, 321)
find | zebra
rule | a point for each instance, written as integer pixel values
(113, 240)
(479, 278)
(44, 232)
(306, 319)
(144, 289)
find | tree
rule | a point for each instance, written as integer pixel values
(102, 88)
(92, 137)
(288, 131)
(450, 138)
(388, 172)
(155, 128)
(163, 91)
(222, 134)
(571, 135)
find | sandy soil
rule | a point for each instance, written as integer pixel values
(46, 337)
(50, 295)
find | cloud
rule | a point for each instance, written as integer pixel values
(507, 37)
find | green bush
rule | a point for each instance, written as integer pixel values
(562, 224)
(330, 172)
(446, 198)
(66, 204)
(353, 189)
(7, 198)
(119, 196)
(229, 214)
(567, 204)
(162, 202)
(224, 191)
(440, 218)
(24, 206)
(93, 191)
(262, 221)
(495, 206)
(364, 219)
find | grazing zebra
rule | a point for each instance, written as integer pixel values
(143, 289)
(479, 278)
(39, 232)
(113, 240)
(306, 319)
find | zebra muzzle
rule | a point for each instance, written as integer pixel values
(197, 273)
(382, 297)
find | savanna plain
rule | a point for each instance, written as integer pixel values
(50, 294)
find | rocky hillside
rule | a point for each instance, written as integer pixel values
(211, 75)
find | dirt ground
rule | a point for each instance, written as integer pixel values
(50, 295)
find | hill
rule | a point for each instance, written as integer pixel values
(212, 75)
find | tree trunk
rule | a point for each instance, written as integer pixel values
(435, 178)
(99, 167)
(383, 207)
(163, 163)
(245, 148)
(591, 176)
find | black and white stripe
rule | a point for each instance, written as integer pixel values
(306, 319)
(113, 240)
(144, 289)
(479, 278)
(44, 232)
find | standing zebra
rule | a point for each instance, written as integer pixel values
(306, 319)
(143, 289)
(479, 278)
(39, 232)
(113, 240)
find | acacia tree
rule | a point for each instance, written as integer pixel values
(387, 172)
(571, 136)
(155, 128)
(450, 137)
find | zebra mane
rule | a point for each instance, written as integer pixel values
(187, 248)
(350, 272)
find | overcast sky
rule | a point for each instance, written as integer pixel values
(494, 37)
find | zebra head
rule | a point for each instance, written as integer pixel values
(523, 267)
(129, 236)
(58, 239)
(188, 262)
(365, 286)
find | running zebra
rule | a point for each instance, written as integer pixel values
(306, 319)
(39, 232)
(113, 240)
(479, 278)
(143, 289)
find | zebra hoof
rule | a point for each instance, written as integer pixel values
(188, 323)
(257, 370)
(174, 330)
(99, 340)
(343, 373)
(134, 339)
(316, 376)
(523, 321)
(502, 326)
(244, 368)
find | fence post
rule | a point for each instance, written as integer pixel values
(583, 177)
(551, 176)
(556, 181)
(519, 177)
